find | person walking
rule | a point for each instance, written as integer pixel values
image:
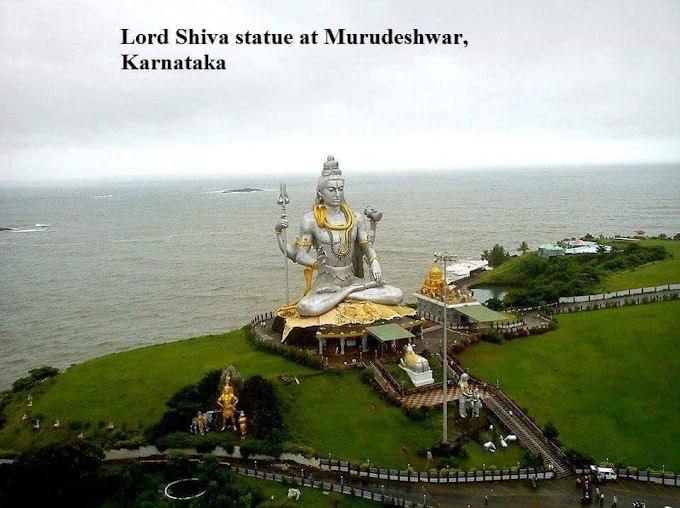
(486, 500)
(614, 501)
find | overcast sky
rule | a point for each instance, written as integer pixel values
(540, 83)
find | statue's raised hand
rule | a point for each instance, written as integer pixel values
(282, 223)
(373, 214)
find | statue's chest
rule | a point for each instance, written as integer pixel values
(330, 236)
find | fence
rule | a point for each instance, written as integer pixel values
(260, 319)
(642, 476)
(332, 487)
(440, 476)
(619, 294)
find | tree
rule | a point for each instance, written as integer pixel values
(58, 471)
(260, 401)
(550, 430)
(531, 460)
(494, 304)
(496, 256)
(523, 247)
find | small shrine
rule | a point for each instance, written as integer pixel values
(417, 368)
(462, 309)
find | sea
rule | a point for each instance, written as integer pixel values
(119, 265)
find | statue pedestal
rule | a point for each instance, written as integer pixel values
(419, 379)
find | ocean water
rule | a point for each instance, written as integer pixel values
(129, 264)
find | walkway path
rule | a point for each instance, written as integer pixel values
(430, 398)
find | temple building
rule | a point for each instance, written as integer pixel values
(462, 309)
(351, 328)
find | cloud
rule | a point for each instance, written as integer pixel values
(539, 83)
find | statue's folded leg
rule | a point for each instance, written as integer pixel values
(386, 295)
(317, 302)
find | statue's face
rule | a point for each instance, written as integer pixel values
(332, 192)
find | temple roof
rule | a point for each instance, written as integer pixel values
(481, 314)
(389, 332)
(347, 313)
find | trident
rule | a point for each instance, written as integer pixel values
(282, 202)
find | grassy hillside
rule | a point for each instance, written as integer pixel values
(608, 379)
(326, 412)
(652, 274)
(131, 388)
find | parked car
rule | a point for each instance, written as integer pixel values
(603, 474)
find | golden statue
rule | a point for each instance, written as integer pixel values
(243, 422)
(227, 402)
(200, 422)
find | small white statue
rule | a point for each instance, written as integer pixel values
(489, 447)
(413, 361)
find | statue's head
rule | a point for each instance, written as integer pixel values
(331, 186)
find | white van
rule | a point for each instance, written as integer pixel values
(603, 474)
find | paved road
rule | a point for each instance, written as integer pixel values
(548, 493)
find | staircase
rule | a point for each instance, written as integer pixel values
(384, 384)
(527, 433)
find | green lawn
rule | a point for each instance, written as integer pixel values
(653, 274)
(333, 414)
(328, 412)
(608, 379)
(132, 387)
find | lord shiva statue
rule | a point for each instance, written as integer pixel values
(336, 241)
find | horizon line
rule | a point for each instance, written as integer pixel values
(306, 172)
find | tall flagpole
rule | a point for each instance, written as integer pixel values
(445, 257)
(283, 202)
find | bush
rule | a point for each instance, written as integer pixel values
(531, 460)
(367, 376)
(550, 430)
(132, 443)
(262, 447)
(493, 336)
(44, 372)
(417, 414)
(35, 376)
(578, 459)
(178, 465)
(421, 452)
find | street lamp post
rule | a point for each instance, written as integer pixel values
(444, 257)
